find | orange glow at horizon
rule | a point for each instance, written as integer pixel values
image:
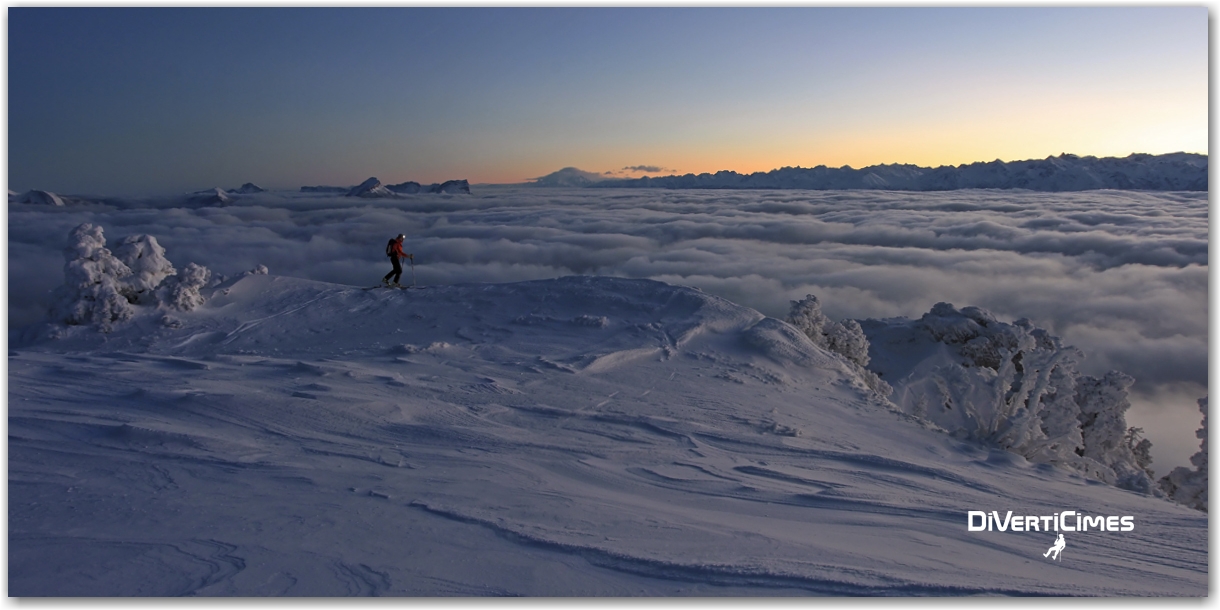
(1113, 132)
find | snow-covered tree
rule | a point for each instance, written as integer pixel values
(845, 338)
(101, 287)
(1010, 384)
(1188, 486)
(181, 291)
(1103, 426)
(146, 259)
(1141, 448)
(94, 283)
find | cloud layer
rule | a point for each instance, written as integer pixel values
(1122, 275)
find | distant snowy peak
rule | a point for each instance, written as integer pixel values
(215, 196)
(36, 198)
(1168, 172)
(569, 176)
(372, 189)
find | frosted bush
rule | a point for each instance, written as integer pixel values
(1141, 448)
(1012, 385)
(181, 292)
(845, 338)
(101, 287)
(1103, 407)
(1188, 486)
(94, 283)
(146, 259)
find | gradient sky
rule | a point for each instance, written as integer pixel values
(150, 101)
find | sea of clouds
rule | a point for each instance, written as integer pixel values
(1119, 274)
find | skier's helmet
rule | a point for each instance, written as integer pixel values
(401, 237)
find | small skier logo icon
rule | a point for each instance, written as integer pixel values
(1060, 543)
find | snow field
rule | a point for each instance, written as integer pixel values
(579, 436)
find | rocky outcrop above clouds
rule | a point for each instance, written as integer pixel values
(370, 189)
(248, 188)
(449, 186)
(216, 196)
(374, 189)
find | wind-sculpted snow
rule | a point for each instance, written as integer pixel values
(579, 436)
(1122, 275)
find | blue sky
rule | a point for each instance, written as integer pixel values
(144, 101)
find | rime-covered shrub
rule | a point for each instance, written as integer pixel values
(845, 338)
(94, 283)
(1103, 425)
(1011, 385)
(1141, 448)
(1187, 486)
(101, 287)
(181, 291)
(149, 267)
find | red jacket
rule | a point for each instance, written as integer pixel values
(396, 250)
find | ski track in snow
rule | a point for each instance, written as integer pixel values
(581, 436)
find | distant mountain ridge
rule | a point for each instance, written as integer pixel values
(1168, 172)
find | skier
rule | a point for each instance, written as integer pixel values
(393, 249)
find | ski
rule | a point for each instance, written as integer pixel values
(395, 287)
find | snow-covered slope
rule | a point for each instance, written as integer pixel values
(578, 436)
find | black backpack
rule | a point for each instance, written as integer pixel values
(389, 248)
